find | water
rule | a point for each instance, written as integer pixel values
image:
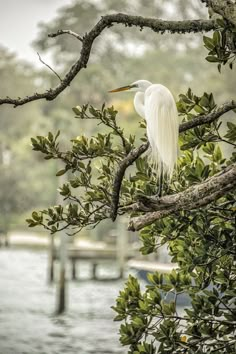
(28, 324)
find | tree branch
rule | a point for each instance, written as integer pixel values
(87, 42)
(194, 197)
(59, 32)
(136, 153)
(208, 118)
(128, 161)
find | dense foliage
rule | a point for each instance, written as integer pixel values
(202, 244)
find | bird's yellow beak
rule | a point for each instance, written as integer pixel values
(123, 88)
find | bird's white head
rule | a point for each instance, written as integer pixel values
(140, 85)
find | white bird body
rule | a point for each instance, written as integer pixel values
(156, 104)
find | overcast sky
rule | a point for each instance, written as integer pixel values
(18, 24)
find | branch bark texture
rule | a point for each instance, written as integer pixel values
(192, 198)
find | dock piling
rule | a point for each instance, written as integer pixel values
(51, 259)
(61, 306)
(122, 245)
(73, 266)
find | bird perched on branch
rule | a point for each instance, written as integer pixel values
(156, 104)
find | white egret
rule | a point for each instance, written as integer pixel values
(156, 104)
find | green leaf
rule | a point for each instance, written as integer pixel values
(208, 42)
(212, 59)
(61, 172)
(199, 109)
(35, 216)
(204, 101)
(50, 137)
(77, 110)
(217, 154)
(216, 38)
(57, 134)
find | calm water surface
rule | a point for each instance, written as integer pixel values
(28, 324)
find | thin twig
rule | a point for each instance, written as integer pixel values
(43, 62)
(59, 32)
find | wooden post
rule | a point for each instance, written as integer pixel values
(94, 271)
(121, 245)
(62, 283)
(73, 265)
(61, 305)
(7, 244)
(5, 231)
(51, 259)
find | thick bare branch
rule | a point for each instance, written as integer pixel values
(136, 153)
(88, 39)
(194, 197)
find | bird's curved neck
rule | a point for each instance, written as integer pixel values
(139, 103)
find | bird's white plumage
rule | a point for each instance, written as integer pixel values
(156, 104)
(162, 126)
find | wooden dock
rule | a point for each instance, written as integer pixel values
(96, 253)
